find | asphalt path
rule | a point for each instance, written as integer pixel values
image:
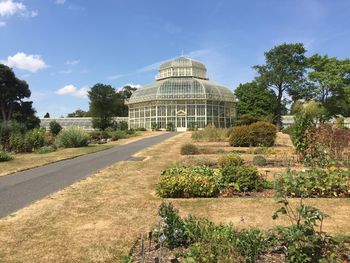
(20, 189)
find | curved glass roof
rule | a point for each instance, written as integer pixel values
(186, 86)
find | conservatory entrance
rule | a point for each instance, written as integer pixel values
(181, 121)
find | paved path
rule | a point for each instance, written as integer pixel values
(20, 189)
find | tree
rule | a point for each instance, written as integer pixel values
(256, 101)
(55, 127)
(103, 103)
(284, 72)
(47, 115)
(79, 113)
(122, 95)
(24, 113)
(12, 90)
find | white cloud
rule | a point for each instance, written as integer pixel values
(129, 84)
(32, 63)
(73, 91)
(2, 23)
(60, 2)
(72, 62)
(10, 8)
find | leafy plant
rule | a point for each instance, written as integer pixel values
(46, 149)
(55, 127)
(314, 183)
(72, 137)
(155, 126)
(5, 157)
(197, 161)
(189, 149)
(230, 159)
(210, 134)
(241, 136)
(170, 126)
(259, 160)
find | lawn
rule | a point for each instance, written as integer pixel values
(24, 161)
(98, 219)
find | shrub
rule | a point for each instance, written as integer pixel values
(230, 159)
(242, 178)
(55, 127)
(262, 150)
(35, 138)
(155, 126)
(211, 134)
(5, 157)
(241, 136)
(130, 132)
(197, 161)
(170, 126)
(46, 149)
(7, 129)
(27, 142)
(117, 135)
(189, 149)
(259, 160)
(72, 137)
(263, 133)
(123, 125)
(314, 183)
(95, 135)
(187, 182)
(141, 129)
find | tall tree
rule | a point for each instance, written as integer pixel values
(79, 113)
(256, 100)
(47, 115)
(122, 95)
(103, 103)
(12, 90)
(283, 71)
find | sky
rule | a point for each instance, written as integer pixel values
(64, 47)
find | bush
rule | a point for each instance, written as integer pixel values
(123, 125)
(27, 142)
(35, 138)
(189, 149)
(117, 135)
(155, 126)
(241, 136)
(242, 178)
(130, 132)
(210, 133)
(262, 134)
(186, 182)
(314, 183)
(95, 135)
(170, 126)
(262, 150)
(46, 149)
(230, 159)
(72, 137)
(7, 129)
(55, 127)
(5, 157)
(141, 129)
(197, 161)
(259, 160)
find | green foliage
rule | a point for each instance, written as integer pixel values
(46, 149)
(155, 126)
(26, 142)
(172, 226)
(230, 159)
(304, 240)
(197, 161)
(170, 126)
(117, 135)
(72, 137)
(314, 183)
(260, 133)
(5, 157)
(7, 129)
(283, 71)
(123, 125)
(187, 182)
(259, 160)
(210, 134)
(242, 178)
(256, 101)
(55, 127)
(189, 149)
(262, 150)
(192, 126)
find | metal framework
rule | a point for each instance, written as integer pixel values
(184, 96)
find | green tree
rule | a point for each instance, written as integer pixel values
(79, 113)
(24, 113)
(103, 104)
(47, 115)
(12, 90)
(122, 95)
(283, 71)
(256, 100)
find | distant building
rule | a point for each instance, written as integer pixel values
(182, 96)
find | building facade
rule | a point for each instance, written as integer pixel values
(182, 97)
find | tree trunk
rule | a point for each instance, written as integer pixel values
(279, 108)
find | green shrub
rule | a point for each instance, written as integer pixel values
(28, 141)
(314, 183)
(141, 129)
(123, 125)
(130, 132)
(262, 150)
(259, 160)
(187, 182)
(230, 159)
(46, 149)
(210, 134)
(263, 133)
(242, 178)
(155, 126)
(117, 135)
(72, 137)
(55, 127)
(35, 138)
(197, 161)
(5, 157)
(241, 136)
(189, 149)
(95, 135)
(170, 126)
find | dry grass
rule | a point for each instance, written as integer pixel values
(98, 219)
(24, 161)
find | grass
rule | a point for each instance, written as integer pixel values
(26, 161)
(98, 219)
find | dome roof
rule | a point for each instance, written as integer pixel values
(182, 78)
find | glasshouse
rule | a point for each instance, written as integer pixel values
(182, 97)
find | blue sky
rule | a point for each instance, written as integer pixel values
(63, 47)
